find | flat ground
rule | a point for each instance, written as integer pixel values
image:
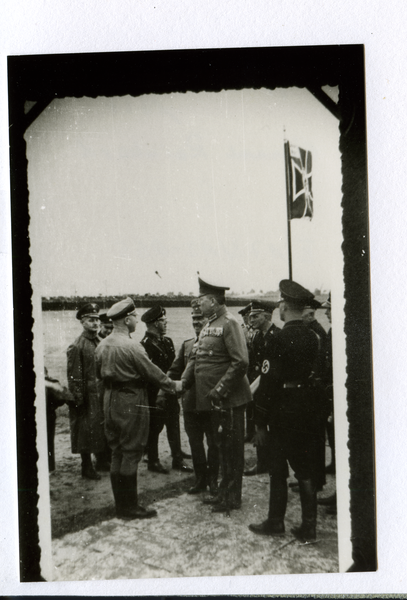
(185, 540)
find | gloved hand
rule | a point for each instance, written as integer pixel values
(216, 399)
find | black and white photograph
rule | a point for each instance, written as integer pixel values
(197, 240)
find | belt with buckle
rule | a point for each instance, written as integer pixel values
(130, 386)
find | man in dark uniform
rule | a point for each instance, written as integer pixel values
(249, 334)
(309, 319)
(288, 405)
(106, 326)
(218, 369)
(198, 423)
(161, 352)
(261, 313)
(86, 410)
(327, 378)
(125, 369)
(329, 387)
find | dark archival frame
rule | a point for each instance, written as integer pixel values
(42, 78)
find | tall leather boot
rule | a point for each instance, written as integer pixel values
(306, 532)
(213, 469)
(201, 479)
(88, 471)
(103, 460)
(130, 507)
(274, 524)
(115, 481)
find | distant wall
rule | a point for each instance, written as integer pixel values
(63, 303)
(73, 303)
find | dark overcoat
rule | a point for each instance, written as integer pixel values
(86, 411)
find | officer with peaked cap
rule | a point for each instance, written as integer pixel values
(246, 326)
(261, 313)
(126, 369)
(161, 352)
(249, 335)
(308, 316)
(86, 410)
(309, 319)
(198, 423)
(289, 408)
(106, 326)
(218, 369)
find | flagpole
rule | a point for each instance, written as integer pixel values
(288, 195)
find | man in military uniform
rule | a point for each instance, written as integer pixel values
(249, 335)
(161, 352)
(125, 369)
(198, 423)
(106, 326)
(327, 379)
(246, 325)
(261, 313)
(309, 319)
(86, 410)
(218, 369)
(289, 407)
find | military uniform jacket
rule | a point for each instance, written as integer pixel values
(261, 346)
(120, 359)
(161, 352)
(86, 414)
(219, 361)
(285, 384)
(176, 370)
(322, 339)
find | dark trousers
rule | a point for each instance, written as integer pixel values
(296, 437)
(168, 417)
(250, 425)
(263, 457)
(228, 426)
(197, 425)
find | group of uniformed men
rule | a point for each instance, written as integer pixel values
(277, 379)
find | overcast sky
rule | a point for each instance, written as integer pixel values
(178, 183)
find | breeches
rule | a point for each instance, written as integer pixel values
(229, 430)
(126, 428)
